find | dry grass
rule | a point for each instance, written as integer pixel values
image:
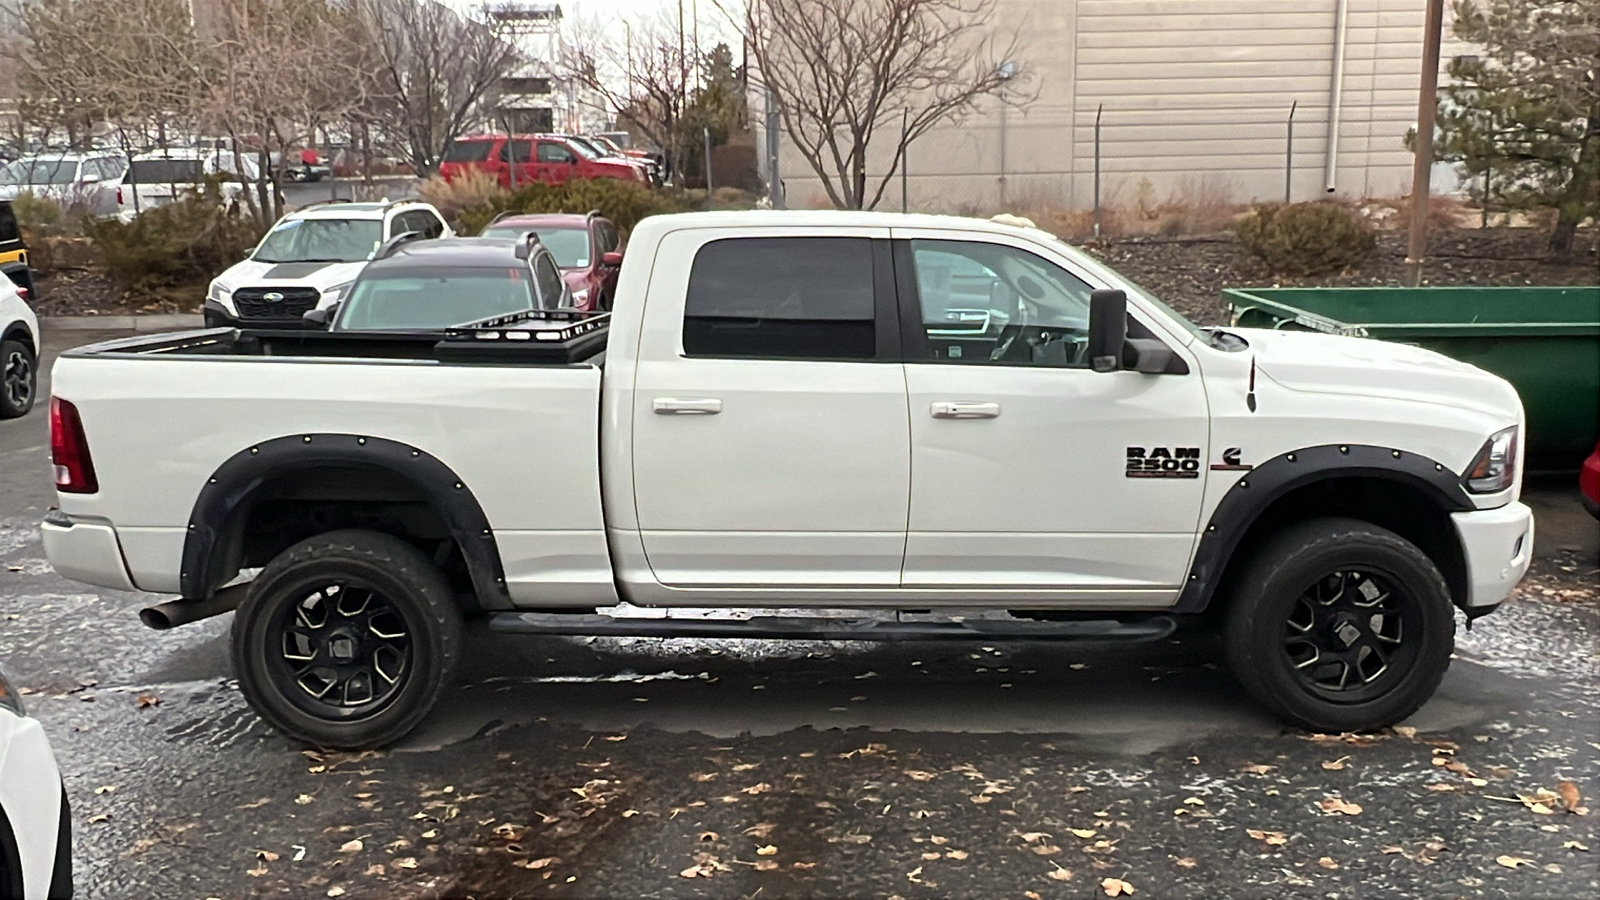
(468, 190)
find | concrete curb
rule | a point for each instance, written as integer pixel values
(151, 322)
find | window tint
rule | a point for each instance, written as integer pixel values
(554, 153)
(165, 171)
(522, 151)
(993, 304)
(548, 278)
(781, 298)
(468, 151)
(8, 225)
(608, 236)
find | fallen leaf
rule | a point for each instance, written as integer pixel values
(702, 776)
(1258, 769)
(1441, 786)
(919, 775)
(354, 846)
(766, 865)
(145, 701)
(1033, 836)
(1045, 849)
(937, 839)
(1327, 863)
(406, 862)
(754, 789)
(303, 799)
(1570, 798)
(1116, 887)
(430, 834)
(1575, 845)
(1335, 765)
(1084, 833)
(336, 891)
(299, 853)
(1332, 805)
(745, 767)
(1511, 862)
(1187, 862)
(912, 875)
(106, 789)
(802, 865)
(760, 829)
(98, 818)
(256, 872)
(616, 737)
(851, 839)
(1405, 731)
(962, 854)
(1060, 874)
(1193, 801)
(694, 871)
(266, 856)
(1272, 838)
(540, 863)
(931, 855)
(376, 869)
(770, 850)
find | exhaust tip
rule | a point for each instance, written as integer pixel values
(155, 617)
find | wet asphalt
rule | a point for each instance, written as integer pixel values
(570, 767)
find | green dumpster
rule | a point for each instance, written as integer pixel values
(1544, 340)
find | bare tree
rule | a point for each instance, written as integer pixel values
(644, 79)
(845, 72)
(434, 68)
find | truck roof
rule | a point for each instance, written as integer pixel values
(834, 218)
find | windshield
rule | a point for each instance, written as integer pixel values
(585, 149)
(45, 171)
(413, 300)
(320, 240)
(570, 246)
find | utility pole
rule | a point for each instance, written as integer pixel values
(1422, 149)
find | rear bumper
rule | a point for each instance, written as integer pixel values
(1498, 545)
(85, 550)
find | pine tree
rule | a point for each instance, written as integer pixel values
(1526, 111)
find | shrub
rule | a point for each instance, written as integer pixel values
(39, 214)
(180, 244)
(623, 202)
(468, 190)
(1306, 238)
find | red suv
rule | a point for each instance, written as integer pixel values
(1589, 482)
(587, 248)
(524, 158)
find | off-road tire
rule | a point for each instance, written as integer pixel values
(394, 572)
(1269, 590)
(15, 354)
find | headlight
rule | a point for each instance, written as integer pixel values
(581, 295)
(1495, 467)
(9, 698)
(219, 293)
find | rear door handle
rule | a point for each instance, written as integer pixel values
(674, 406)
(946, 410)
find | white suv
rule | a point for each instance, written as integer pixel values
(35, 821)
(87, 181)
(161, 176)
(19, 352)
(309, 258)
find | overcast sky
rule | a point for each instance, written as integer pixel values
(713, 25)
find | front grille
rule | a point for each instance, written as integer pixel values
(288, 304)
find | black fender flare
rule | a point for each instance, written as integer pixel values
(237, 479)
(1264, 484)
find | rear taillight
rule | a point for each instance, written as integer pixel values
(119, 196)
(69, 450)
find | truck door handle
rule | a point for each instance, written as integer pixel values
(673, 406)
(966, 410)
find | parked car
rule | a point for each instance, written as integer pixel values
(1589, 482)
(431, 285)
(800, 409)
(534, 158)
(35, 820)
(593, 149)
(588, 249)
(302, 165)
(308, 259)
(19, 352)
(86, 181)
(656, 161)
(14, 253)
(156, 178)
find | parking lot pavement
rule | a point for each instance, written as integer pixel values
(690, 768)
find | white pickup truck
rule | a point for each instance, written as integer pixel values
(911, 426)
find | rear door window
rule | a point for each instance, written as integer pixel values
(781, 298)
(516, 151)
(468, 152)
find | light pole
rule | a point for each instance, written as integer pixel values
(1005, 71)
(1422, 161)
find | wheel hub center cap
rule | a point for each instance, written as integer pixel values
(342, 647)
(1347, 632)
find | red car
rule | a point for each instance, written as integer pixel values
(525, 158)
(1589, 482)
(587, 248)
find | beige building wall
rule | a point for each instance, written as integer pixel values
(1194, 98)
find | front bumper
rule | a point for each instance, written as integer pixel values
(85, 550)
(1498, 546)
(35, 808)
(219, 316)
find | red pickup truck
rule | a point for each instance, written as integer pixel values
(521, 159)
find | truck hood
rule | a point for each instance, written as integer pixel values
(1331, 364)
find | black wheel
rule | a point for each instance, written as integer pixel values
(1339, 625)
(347, 639)
(19, 379)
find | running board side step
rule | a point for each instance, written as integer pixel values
(834, 628)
